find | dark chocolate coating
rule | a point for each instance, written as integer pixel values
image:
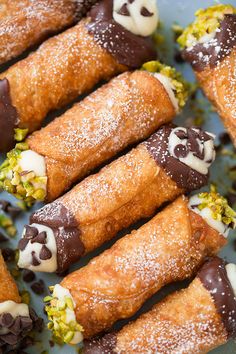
(128, 48)
(103, 345)
(66, 231)
(184, 176)
(8, 117)
(202, 55)
(214, 277)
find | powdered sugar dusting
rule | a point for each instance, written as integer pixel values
(135, 268)
(19, 20)
(184, 323)
(227, 86)
(118, 114)
(71, 60)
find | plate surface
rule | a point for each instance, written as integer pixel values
(181, 12)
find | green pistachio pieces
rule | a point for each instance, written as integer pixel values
(181, 86)
(63, 331)
(7, 224)
(20, 134)
(220, 209)
(25, 297)
(207, 21)
(24, 185)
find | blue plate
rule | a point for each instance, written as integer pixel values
(181, 12)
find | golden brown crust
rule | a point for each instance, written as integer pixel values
(185, 322)
(219, 85)
(115, 284)
(8, 288)
(130, 188)
(63, 67)
(24, 23)
(126, 110)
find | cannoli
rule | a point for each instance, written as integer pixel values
(115, 285)
(67, 65)
(27, 22)
(191, 321)
(130, 188)
(128, 109)
(209, 44)
(16, 318)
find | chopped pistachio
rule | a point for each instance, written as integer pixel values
(22, 146)
(15, 272)
(20, 134)
(219, 207)
(7, 224)
(207, 21)
(57, 315)
(177, 30)
(11, 231)
(25, 297)
(24, 185)
(51, 288)
(48, 298)
(21, 204)
(181, 86)
(159, 39)
(69, 303)
(17, 253)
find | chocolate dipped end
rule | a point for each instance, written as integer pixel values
(16, 329)
(66, 232)
(213, 276)
(214, 51)
(104, 345)
(127, 48)
(8, 117)
(184, 176)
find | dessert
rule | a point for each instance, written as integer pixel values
(172, 161)
(27, 22)
(114, 285)
(191, 321)
(126, 110)
(209, 44)
(72, 63)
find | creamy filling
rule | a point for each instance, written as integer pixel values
(140, 17)
(198, 158)
(23, 174)
(169, 87)
(38, 255)
(231, 273)
(32, 161)
(14, 309)
(62, 294)
(206, 214)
